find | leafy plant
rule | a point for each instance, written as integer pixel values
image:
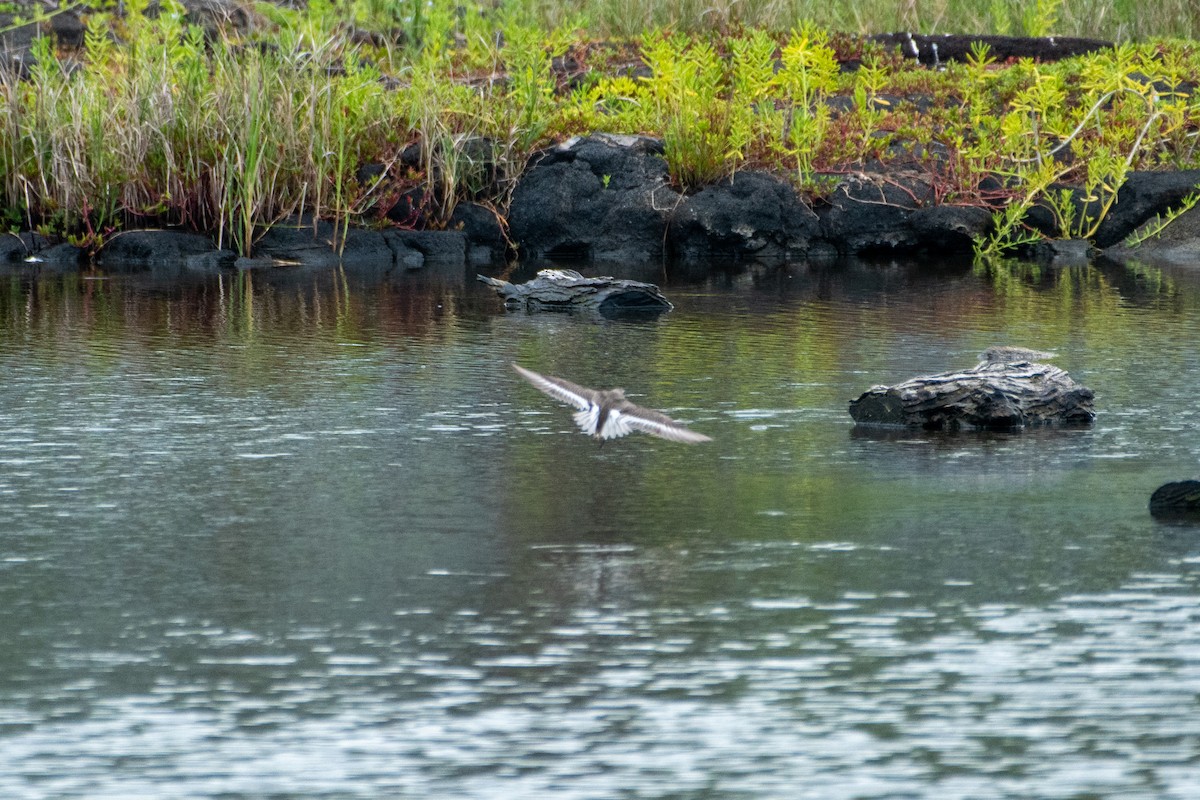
(1154, 228)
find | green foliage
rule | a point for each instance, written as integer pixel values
(1040, 18)
(168, 128)
(161, 126)
(808, 74)
(1105, 19)
(530, 100)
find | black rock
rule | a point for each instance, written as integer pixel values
(871, 215)
(163, 248)
(484, 232)
(753, 216)
(1180, 498)
(16, 247)
(603, 198)
(939, 49)
(435, 247)
(1140, 198)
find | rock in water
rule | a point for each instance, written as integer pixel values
(567, 290)
(996, 394)
(1181, 498)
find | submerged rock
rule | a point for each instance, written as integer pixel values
(567, 290)
(1180, 498)
(1007, 390)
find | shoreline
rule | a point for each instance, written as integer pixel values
(562, 215)
(759, 148)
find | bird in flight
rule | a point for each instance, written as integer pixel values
(606, 414)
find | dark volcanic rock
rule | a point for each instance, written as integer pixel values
(62, 256)
(484, 232)
(1178, 244)
(949, 228)
(35, 250)
(871, 215)
(991, 396)
(304, 244)
(1143, 195)
(312, 246)
(753, 216)
(606, 199)
(20, 246)
(957, 47)
(1180, 498)
(603, 198)
(435, 247)
(139, 249)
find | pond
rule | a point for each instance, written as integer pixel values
(297, 534)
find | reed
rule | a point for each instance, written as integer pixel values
(170, 130)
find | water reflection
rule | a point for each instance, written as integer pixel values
(304, 534)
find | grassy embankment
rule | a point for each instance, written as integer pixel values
(153, 125)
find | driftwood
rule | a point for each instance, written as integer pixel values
(567, 290)
(1178, 499)
(996, 394)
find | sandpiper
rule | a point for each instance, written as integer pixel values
(606, 414)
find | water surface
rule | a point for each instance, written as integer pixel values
(306, 535)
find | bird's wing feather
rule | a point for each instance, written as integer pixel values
(616, 425)
(658, 424)
(587, 419)
(564, 391)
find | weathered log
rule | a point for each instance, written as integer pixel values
(567, 290)
(994, 395)
(1177, 499)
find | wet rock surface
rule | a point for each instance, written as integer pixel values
(1176, 499)
(567, 290)
(606, 199)
(993, 395)
(753, 216)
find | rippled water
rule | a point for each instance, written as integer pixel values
(307, 535)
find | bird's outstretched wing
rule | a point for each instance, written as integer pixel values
(564, 391)
(658, 424)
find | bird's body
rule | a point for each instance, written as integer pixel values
(607, 414)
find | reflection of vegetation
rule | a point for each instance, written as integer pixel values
(257, 320)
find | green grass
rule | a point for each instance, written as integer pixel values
(1110, 19)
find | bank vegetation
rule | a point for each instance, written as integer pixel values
(349, 112)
